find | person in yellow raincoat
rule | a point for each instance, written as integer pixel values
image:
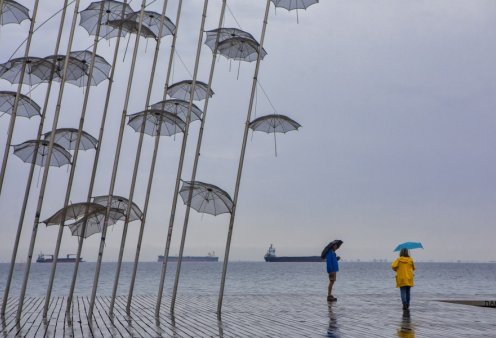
(404, 268)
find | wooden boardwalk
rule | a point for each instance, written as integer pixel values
(274, 315)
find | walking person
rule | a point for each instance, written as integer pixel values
(329, 253)
(404, 267)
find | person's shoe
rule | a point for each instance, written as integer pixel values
(331, 299)
(408, 306)
(405, 306)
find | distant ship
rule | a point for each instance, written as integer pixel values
(209, 258)
(70, 258)
(270, 256)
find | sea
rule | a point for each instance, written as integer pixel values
(432, 280)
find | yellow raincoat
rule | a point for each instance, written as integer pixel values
(404, 267)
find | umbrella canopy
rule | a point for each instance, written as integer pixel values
(294, 4)
(37, 70)
(274, 123)
(112, 10)
(66, 137)
(241, 49)
(73, 212)
(12, 12)
(75, 69)
(25, 106)
(206, 198)
(328, 247)
(179, 108)
(132, 26)
(182, 90)
(170, 124)
(119, 202)
(94, 222)
(101, 68)
(151, 20)
(224, 34)
(409, 245)
(25, 152)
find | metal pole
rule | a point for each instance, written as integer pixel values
(197, 157)
(47, 166)
(152, 167)
(10, 131)
(31, 170)
(136, 161)
(74, 162)
(241, 161)
(115, 167)
(181, 161)
(95, 165)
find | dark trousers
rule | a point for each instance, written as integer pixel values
(405, 294)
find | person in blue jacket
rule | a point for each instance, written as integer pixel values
(332, 265)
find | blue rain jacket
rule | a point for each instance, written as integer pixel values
(332, 262)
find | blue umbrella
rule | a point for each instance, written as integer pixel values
(409, 245)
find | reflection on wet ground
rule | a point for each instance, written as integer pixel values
(251, 315)
(406, 329)
(333, 328)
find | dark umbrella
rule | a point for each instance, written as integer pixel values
(274, 123)
(242, 49)
(182, 90)
(25, 152)
(25, 107)
(77, 68)
(132, 26)
(169, 123)
(66, 137)
(94, 222)
(11, 70)
(206, 198)
(73, 212)
(113, 10)
(101, 68)
(337, 242)
(119, 202)
(294, 4)
(179, 108)
(224, 34)
(152, 20)
(12, 12)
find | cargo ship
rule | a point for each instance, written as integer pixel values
(70, 258)
(270, 256)
(209, 258)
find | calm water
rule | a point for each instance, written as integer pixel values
(433, 280)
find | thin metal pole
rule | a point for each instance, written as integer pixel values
(181, 161)
(197, 157)
(115, 167)
(47, 165)
(74, 162)
(95, 165)
(13, 116)
(152, 167)
(137, 161)
(31, 170)
(241, 161)
(1, 12)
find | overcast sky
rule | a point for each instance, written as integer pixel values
(397, 106)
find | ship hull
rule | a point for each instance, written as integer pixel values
(190, 259)
(60, 260)
(307, 259)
